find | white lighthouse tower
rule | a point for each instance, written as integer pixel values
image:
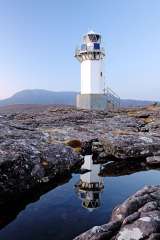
(91, 56)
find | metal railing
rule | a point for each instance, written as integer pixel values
(112, 98)
(88, 49)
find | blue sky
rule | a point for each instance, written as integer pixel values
(38, 38)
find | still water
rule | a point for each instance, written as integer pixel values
(76, 206)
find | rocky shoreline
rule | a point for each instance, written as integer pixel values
(37, 146)
(41, 147)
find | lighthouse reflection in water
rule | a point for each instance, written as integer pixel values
(90, 185)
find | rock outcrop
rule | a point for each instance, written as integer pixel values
(135, 219)
(27, 158)
(37, 146)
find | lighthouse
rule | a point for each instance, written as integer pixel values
(93, 94)
(91, 57)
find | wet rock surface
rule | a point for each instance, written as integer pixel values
(121, 168)
(136, 218)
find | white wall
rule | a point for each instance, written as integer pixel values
(91, 80)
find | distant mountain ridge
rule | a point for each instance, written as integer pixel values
(40, 96)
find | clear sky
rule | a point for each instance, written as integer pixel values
(38, 38)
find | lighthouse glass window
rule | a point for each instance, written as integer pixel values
(94, 37)
(96, 46)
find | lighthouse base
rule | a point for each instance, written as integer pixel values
(92, 101)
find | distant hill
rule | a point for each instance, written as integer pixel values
(38, 96)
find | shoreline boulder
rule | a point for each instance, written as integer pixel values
(136, 218)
